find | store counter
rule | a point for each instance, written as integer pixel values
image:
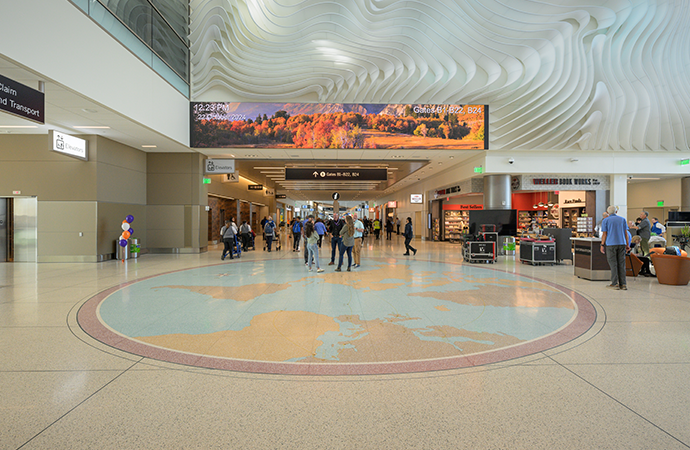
(589, 262)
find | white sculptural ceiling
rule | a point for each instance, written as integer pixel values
(568, 74)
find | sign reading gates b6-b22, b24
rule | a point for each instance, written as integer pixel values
(331, 174)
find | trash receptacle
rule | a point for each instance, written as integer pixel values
(508, 245)
(121, 252)
(134, 248)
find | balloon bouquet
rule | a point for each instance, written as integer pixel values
(127, 230)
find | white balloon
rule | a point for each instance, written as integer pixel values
(125, 226)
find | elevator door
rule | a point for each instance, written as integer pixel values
(3, 230)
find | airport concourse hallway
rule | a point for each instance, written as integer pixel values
(422, 351)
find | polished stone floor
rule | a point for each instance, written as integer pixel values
(623, 382)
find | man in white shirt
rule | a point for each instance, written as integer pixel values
(359, 231)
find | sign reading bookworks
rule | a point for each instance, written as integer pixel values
(21, 100)
(564, 183)
(219, 166)
(336, 174)
(339, 125)
(69, 145)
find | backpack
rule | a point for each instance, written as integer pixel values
(297, 227)
(269, 228)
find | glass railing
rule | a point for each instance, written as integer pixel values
(156, 35)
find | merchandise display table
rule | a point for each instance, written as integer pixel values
(589, 262)
(538, 251)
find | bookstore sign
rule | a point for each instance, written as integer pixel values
(564, 183)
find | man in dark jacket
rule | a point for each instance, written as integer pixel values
(334, 227)
(408, 234)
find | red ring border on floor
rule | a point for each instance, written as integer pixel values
(87, 318)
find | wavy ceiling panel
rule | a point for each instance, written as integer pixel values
(600, 75)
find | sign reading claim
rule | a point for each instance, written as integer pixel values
(21, 100)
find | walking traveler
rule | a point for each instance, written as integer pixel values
(408, 234)
(229, 231)
(312, 238)
(347, 233)
(269, 232)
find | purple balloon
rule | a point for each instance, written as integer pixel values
(131, 231)
(123, 242)
(129, 218)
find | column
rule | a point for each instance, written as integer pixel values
(497, 193)
(619, 194)
(685, 194)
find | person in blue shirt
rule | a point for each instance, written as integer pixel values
(269, 232)
(615, 242)
(296, 233)
(320, 229)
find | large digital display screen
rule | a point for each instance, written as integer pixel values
(339, 125)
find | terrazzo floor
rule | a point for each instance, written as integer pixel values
(623, 382)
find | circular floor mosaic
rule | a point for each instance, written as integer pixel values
(388, 316)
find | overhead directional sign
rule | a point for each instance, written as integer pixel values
(21, 100)
(317, 174)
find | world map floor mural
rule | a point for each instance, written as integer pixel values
(388, 316)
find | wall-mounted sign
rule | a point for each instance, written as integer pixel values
(207, 180)
(329, 125)
(219, 166)
(21, 100)
(448, 207)
(69, 145)
(416, 198)
(660, 203)
(335, 196)
(268, 192)
(479, 169)
(392, 204)
(372, 209)
(317, 174)
(684, 162)
(230, 177)
(255, 187)
(280, 196)
(564, 183)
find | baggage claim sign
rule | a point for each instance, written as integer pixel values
(21, 100)
(339, 125)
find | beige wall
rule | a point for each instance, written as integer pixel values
(177, 220)
(28, 165)
(81, 204)
(644, 195)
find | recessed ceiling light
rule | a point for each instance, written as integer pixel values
(89, 110)
(90, 127)
(149, 146)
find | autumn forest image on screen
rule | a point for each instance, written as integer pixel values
(338, 125)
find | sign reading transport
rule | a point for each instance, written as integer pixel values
(336, 174)
(21, 100)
